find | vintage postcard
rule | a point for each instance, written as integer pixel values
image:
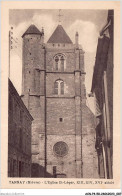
(60, 93)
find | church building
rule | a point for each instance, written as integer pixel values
(53, 90)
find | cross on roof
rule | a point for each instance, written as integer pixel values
(59, 15)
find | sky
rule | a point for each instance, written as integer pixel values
(88, 23)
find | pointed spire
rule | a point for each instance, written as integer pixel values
(59, 36)
(32, 30)
(77, 40)
(42, 30)
(42, 38)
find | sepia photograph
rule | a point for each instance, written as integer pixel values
(60, 93)
(60, 97)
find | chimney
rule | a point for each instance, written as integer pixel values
(76, 40)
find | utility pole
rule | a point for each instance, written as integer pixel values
(9, 57)
(10, 47)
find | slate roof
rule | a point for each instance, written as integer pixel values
(32, 30)
(59, 36)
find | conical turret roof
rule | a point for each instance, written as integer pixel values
(32, 30)
(59, 36)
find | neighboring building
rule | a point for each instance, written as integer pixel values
(63, 130)
(102, 87)
(19, 136)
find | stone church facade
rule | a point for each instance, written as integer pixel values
(63, 129)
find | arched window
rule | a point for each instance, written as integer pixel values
(56, 88)
(59, 87)
(56, 63)
(60, 62)
(62, 88)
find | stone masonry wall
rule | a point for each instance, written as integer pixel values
(41, 101)
(66, 164)
(70, 59)
(34, 92)
(60, 108)
(69, 85)
(19, 136)
(89, 154)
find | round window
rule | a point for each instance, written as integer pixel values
(60, 149)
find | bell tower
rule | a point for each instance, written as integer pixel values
(33, 93)
(53, 90)
(64, 68)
